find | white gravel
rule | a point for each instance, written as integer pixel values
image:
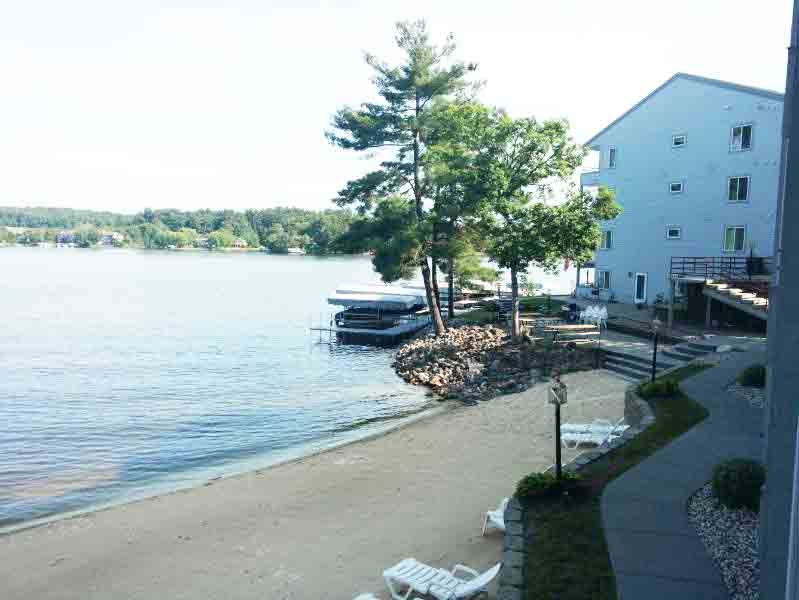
(730, 537)
(753, 395)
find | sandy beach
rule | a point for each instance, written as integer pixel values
(322, 527)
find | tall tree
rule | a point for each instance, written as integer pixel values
(515, 159)
(398, 125)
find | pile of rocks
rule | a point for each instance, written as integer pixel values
(472, 363)
(730, 537)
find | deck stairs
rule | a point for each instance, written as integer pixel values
(633, 361)
(740, 295)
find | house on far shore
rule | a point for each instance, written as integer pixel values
(239, 243)
(65, 237)
(109, 238)
(695, 168)
(201, 241)
(295, 251)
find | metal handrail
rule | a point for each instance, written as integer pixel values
(722, 267)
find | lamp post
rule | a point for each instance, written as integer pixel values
(558, 395)
(656, 329)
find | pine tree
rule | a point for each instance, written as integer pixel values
(399, 125)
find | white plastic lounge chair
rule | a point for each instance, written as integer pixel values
(598, 433)
(597, 426)
(439, 583)
(496, 518)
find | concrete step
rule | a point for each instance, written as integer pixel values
(691, 350)
(641, 359)
(627, 373)
(674, 354)
(624, 376)
(705, 347)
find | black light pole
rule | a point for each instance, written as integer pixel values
(655, 327)
(557, 396)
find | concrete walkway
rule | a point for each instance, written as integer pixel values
(655, 551)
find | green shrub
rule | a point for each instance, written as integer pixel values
(737, 482)
(536, 485)
(660, 388)
(753, 376)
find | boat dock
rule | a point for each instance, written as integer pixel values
(375, 314)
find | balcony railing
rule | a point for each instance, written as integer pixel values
(723, 268)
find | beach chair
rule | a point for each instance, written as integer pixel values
(598, 433)
(439, 583)
(496, 518)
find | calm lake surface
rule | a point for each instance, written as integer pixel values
(127, 373)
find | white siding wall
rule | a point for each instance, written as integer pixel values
(646, 163)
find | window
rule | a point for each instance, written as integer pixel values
(738, 189)
(611, 158)
(603, 280)
(678, 141)
(741, 138)
(734, 237)
(607, 240)
(675, 187)
(673, 232)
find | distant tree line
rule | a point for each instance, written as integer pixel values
(277, 229)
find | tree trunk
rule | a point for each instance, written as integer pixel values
(451, 288)
(432, 304)
(434, 280)
(514, 290)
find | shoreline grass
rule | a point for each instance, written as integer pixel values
(568, 557)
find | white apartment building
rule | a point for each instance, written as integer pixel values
(695, 167)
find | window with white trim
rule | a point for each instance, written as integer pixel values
(612, 157)
(603, 279)
(678, 141)
(676, 187)
(741, 138)
(738, 189)
(673, 232)
(734, 238)
(607, 240)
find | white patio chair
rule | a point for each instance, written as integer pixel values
(496, 518)
(598, 433)
(439, 583)
(602, 317)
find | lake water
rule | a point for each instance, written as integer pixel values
(124, 373)
(127, 373)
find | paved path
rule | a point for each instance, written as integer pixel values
(655, 551)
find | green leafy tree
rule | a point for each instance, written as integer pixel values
(398, 126)
(222, 238)
(515, 160)
(86, 236)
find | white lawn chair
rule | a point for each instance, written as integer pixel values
(602, 317)
(496, 518)
(598, 433)
(439, 583)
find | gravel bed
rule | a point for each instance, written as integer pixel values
(730, 537)
(753, 395)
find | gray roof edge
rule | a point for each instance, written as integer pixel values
(748, 89)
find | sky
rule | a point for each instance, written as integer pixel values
(113, 105)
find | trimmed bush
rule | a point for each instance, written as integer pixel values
(538, 485)
(753, 376)
(737, 482)
(660, 388)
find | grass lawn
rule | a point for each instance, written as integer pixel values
(526, 304)
(568, 558)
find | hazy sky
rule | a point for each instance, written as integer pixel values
(115, 105)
